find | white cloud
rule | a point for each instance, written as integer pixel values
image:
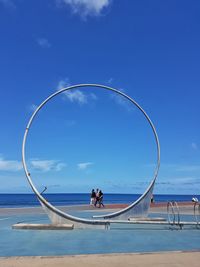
(110, 81)
(177, 167)
(63, 84)
(43, 42)
(84, 165)
(47, 165)
(194, 146)
(8, 3)
(72, 96)
(70, 123)
(10, 165)
(86, 8)
(122, 101)
(188, 168)
(75, 95)
(93, 96)
(33, 107)
(188, 180)
(59, 166)
(178, 185)
(179, 181)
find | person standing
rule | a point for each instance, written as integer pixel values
(101, 199)
(97, 197)
(92, 197)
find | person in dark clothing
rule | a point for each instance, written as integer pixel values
(92, 197)
(152, 199)
(101, 199)
(97, 197)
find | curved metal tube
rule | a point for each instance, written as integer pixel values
(197, 216)
(170, 205)
(178, 211)
(173, 205)
(55, 210)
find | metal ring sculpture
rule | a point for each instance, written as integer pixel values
(173, 205)
(197, 215)
(43, 201)
(170, 205)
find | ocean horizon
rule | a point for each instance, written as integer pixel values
(62, 199)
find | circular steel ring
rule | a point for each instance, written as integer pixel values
(170, 205)
(40, 197)
(197, 216)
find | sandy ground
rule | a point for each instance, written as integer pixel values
(172, 259)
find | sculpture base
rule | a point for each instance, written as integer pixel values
(39, 226)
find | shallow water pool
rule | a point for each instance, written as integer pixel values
(119, 239)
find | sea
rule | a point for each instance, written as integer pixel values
(30, 200)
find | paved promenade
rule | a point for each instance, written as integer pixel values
(163, 259)
(185, 207)
(171, 259)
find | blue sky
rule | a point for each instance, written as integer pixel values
(92, 138)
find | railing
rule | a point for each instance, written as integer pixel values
(175, 213)
(197, 212)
